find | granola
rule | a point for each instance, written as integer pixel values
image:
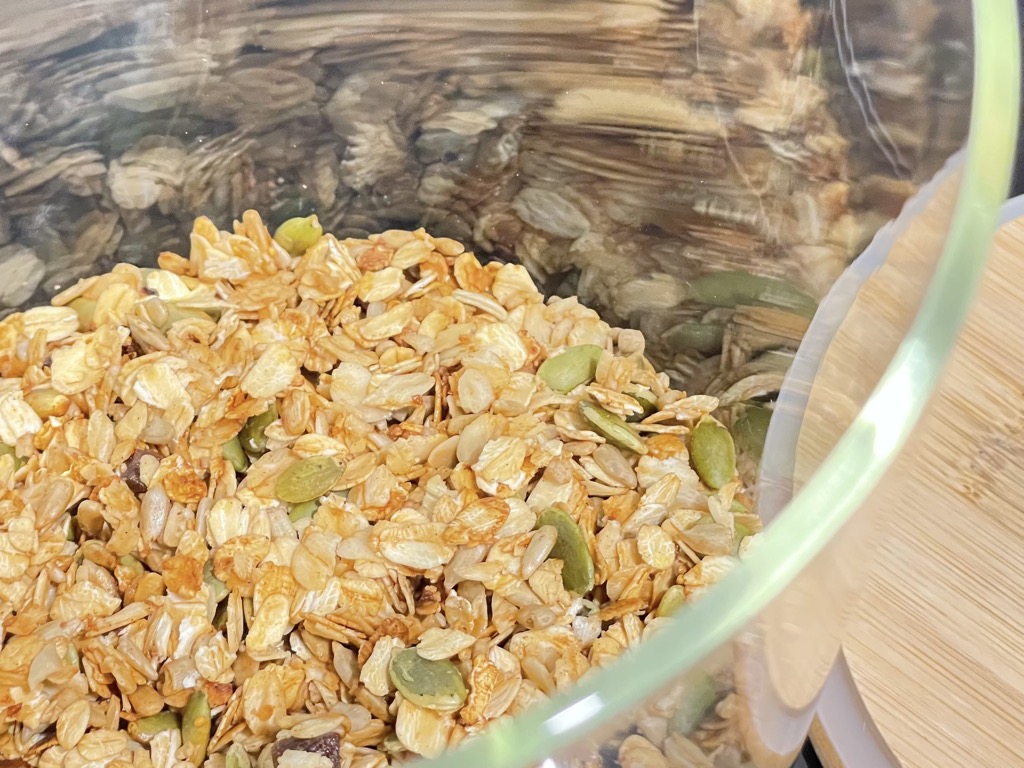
(300, 499)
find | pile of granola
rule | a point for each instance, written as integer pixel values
(619, 149)
(297, 499)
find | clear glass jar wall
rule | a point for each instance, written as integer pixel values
(701, 171)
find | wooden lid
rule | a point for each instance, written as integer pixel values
(936, 648)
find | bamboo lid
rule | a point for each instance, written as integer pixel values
(936, 646)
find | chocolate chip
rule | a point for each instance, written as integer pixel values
(130, 473)
(131, 349)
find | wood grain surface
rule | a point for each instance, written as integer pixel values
(936, 646)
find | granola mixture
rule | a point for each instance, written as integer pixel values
(297, 500)
(619, 149)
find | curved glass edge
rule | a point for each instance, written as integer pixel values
(844, 725)
(847, 475)
(775, 483)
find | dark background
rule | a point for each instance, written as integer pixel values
(1017, 185)
(808, 759)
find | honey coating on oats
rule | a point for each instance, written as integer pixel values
(297, 500)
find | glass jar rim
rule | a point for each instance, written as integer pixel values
(846, 476)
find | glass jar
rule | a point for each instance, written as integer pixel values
(624, 151)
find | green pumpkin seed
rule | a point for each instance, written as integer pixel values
(303, 511)
(647, 401)
(742, 531)
(131, 564)
(237, 757)
(426, 683)
(713, 453)
(176, 314)
(8, 450)
(392, 745)
(299, 234)
(86, 310)
(730, 289)
(148, 727)
(612, 428)
(751, 428)
(71, 656)
(195, 727)
(220, 616)
(699, 698)
(567, 370)
(218, 588)
(704, 338)
(812, 64)
(673, 599)
(232, 451)
(572, 549)
(253, 436)
(308, 479)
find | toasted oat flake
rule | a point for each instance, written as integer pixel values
(436, 644)
(271, 373)
(369, 494)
